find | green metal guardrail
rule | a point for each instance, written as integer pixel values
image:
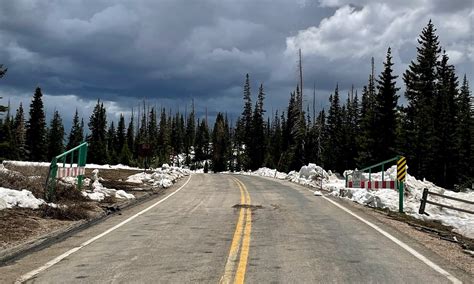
(77, 154)
(401, 175)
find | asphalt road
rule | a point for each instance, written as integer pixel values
(225, 228)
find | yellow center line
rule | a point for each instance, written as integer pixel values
(240, 274)
(240, 241)
(235, 245)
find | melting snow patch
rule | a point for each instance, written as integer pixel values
(163, 177)
(99, 192)
(10, 198)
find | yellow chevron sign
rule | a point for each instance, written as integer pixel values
(401, 169)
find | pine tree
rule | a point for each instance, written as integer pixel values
(111, 144)
(164, 147)
(420, 80)
(190, 133)
(36, 129)
(19, 130)
(334, 130)
(220, 145)
(256, 149)
(131, 136)
(55, 136)
(121, 134)
(97, 152)
(464, 134)
(8, 148)
(443, 143)
(3, 71)
(247, 122)
(385, 124)
(152, 132)
(202, 142)
(76, 135)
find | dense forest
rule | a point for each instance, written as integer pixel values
(434, 130)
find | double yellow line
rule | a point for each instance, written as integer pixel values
(240, 241)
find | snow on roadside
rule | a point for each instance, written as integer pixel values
(264, 172)
(88, 166)
(99, 192)
(10, 198)
(313, 175)
(163, 177)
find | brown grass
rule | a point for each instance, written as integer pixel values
(16, 180)
(68, 211)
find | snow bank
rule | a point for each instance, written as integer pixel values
(88, 166)
(99, 192)
(10, 198)
(163, 177)
(266, 172)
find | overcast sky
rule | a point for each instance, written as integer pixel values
(170, 51)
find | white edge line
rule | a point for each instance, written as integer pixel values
(406, 247)
(54, 261)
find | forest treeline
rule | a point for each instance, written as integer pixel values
(434, 130)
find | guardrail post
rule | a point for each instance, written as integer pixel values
(423, 201)
(400, 196)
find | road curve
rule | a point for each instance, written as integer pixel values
(280, 233)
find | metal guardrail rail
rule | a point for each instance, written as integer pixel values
(77, 154)
(424, 201)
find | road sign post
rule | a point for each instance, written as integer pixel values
(401, 176)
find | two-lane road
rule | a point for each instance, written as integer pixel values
(225, 228)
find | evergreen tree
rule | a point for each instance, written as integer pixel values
(55, 136)
(36, 129)
(111, 144)
(202, 142)
(76, 135)
(3, 71)
(420, 80)
(385, 125)
(247, 122)
(164, 147)
(131, 136)
(8, 149)
(190, 133)
(275, 141)
(256, 149)
(97, 152)
(20, 132)
(321, 140)
(152, 132)
(220, 150)
(443, 143)
(121, 134)
(334, 130)
(464, 134)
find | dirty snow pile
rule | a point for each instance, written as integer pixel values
(99, 192)
(163, 177)
(10, 198)
(308, 175)
(266, 172)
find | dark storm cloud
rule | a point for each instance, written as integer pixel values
(170, 51)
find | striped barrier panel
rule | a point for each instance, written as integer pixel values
(71, 172)
(373, 184)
